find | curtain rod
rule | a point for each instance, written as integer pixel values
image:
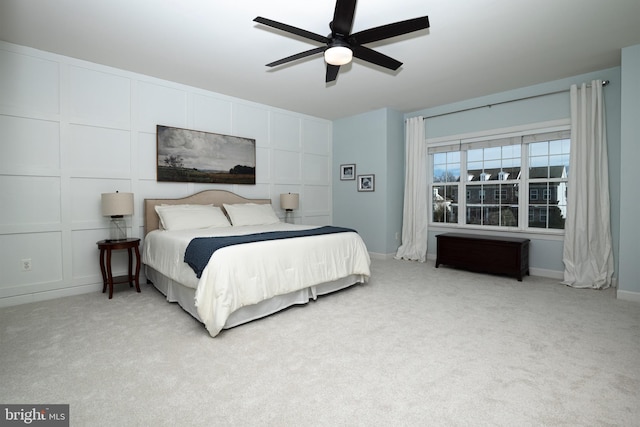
(604, 83)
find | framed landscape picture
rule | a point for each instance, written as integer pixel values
(347, 172)
(367, 182)
(185, 155)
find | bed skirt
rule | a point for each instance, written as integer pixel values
(185, 297)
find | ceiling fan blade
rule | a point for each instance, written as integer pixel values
(391, 30)
(291, 29)
(332, 72)
(374, 57)
(297, 56)
(343, 17)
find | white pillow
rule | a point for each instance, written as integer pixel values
(251, 214)
(188, 217)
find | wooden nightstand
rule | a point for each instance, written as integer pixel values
(106, 246)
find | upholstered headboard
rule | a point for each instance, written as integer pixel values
(207, 197)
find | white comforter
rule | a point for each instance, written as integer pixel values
(247, 274)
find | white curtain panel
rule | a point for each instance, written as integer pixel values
(414, 214)
(587, 253)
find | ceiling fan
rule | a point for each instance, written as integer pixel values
(341, 46)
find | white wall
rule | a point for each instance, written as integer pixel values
(71, 130)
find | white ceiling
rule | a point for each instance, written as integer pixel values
(473, 48)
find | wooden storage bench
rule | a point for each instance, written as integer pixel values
(488, 254)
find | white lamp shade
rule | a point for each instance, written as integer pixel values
(289, 201)
(117, 204)
(338, 55)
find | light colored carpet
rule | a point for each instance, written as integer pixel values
(415, 346)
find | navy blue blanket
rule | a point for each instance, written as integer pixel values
(200, 249)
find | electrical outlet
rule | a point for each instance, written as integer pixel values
(26, 264)
(397, 236)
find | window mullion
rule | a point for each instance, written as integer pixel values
(462, 189)
(523, 200)
(430, 188)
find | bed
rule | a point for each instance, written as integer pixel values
(242, 282)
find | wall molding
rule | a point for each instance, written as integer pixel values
(83, 128)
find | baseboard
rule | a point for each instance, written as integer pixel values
(49, 295)
(541, 272)
(628, 296)
(375, 255)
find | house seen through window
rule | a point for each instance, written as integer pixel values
(496, 172)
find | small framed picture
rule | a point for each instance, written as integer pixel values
(347, 172)
(366, 182)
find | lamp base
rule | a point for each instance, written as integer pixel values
(288, 216)
(118, 230)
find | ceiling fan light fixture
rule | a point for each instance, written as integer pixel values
(338, 55)
(341, 45)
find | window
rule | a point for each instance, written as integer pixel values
(548, 175)
(493, 165)
(446, 176)
(494, 171)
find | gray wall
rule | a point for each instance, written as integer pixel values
(546, 252)
(629, 260)
(374, 142)
(395, 195)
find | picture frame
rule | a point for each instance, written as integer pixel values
(367, 182)
(348, 172)
(185, 155)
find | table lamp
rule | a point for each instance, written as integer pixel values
(116, 205)
(289, 202)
